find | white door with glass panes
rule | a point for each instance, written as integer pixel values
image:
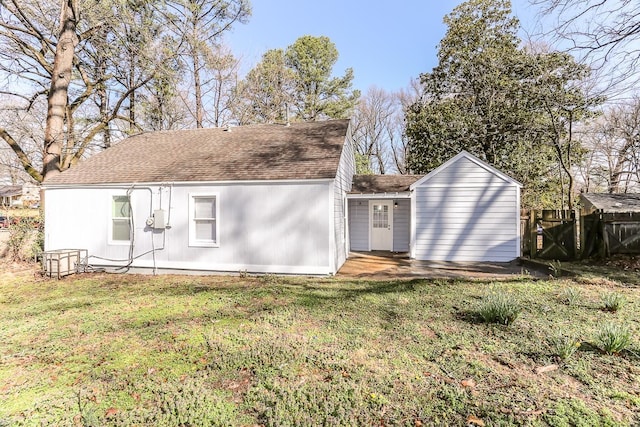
(380, 222)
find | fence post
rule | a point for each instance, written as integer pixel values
(533, 233)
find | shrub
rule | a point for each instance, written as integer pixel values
(612, 301)
(498, 307)
(570, 296)
(26, 239)
(564, 346)
(612, 339)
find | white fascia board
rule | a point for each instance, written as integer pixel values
(189, 183)
(472, 158)
(378, 196)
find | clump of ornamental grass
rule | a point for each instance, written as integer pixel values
(564, 346)
(570, 296)
(499, 307)
(612, 301)
(613, 338)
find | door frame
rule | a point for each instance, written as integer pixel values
(370, 215)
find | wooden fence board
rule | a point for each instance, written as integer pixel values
(607, 234)
(551, 234)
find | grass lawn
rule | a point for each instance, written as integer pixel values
(194, 351)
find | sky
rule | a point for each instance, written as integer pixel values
(386, 43)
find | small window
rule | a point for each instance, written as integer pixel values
(203, 220)
(121, 219)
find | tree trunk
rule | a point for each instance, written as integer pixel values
(197, 88)
(60, 79)
(132, 94)
(101, 68)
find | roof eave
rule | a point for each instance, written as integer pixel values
(391, 195)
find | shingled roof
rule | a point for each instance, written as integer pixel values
(383, 183)
(612, 203)
(256, 152)
(10, 190)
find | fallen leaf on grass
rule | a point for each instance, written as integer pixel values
(468, 383)
(548, 368)
(472, 420)
(110, 412)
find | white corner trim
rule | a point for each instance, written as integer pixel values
(332, 227)
(518, 237)
(412, 226)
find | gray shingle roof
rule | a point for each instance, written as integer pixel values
(627, 202)
(10, 190)
(256, 152)
(383, 183)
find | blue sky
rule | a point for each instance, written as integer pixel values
(386, 43)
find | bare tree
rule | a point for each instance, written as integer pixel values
(199, 24)
(374, 122)
(69, 66)
(397, 138)
(378, 129)
(604, 32)
(613, 144)
(223, 68)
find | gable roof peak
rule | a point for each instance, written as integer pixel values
(466, 155)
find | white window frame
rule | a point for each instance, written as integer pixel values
(192, 221)
(112, 197)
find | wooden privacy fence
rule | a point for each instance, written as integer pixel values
(549, 234)
(606, 234)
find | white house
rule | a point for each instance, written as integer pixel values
(27, 195)
(263, 198)
(464, 210)
(272, 198)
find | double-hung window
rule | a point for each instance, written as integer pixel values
(204, 220)
(120, 219)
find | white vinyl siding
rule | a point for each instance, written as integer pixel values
(203, 220)
(466, 212)
(120, 230)
(271, 227)
(401, 225)
(359, 224)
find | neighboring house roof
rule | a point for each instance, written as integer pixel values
(10, 190)
(627, 202)
(255, 152)
(472, 158)
(383, 183)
